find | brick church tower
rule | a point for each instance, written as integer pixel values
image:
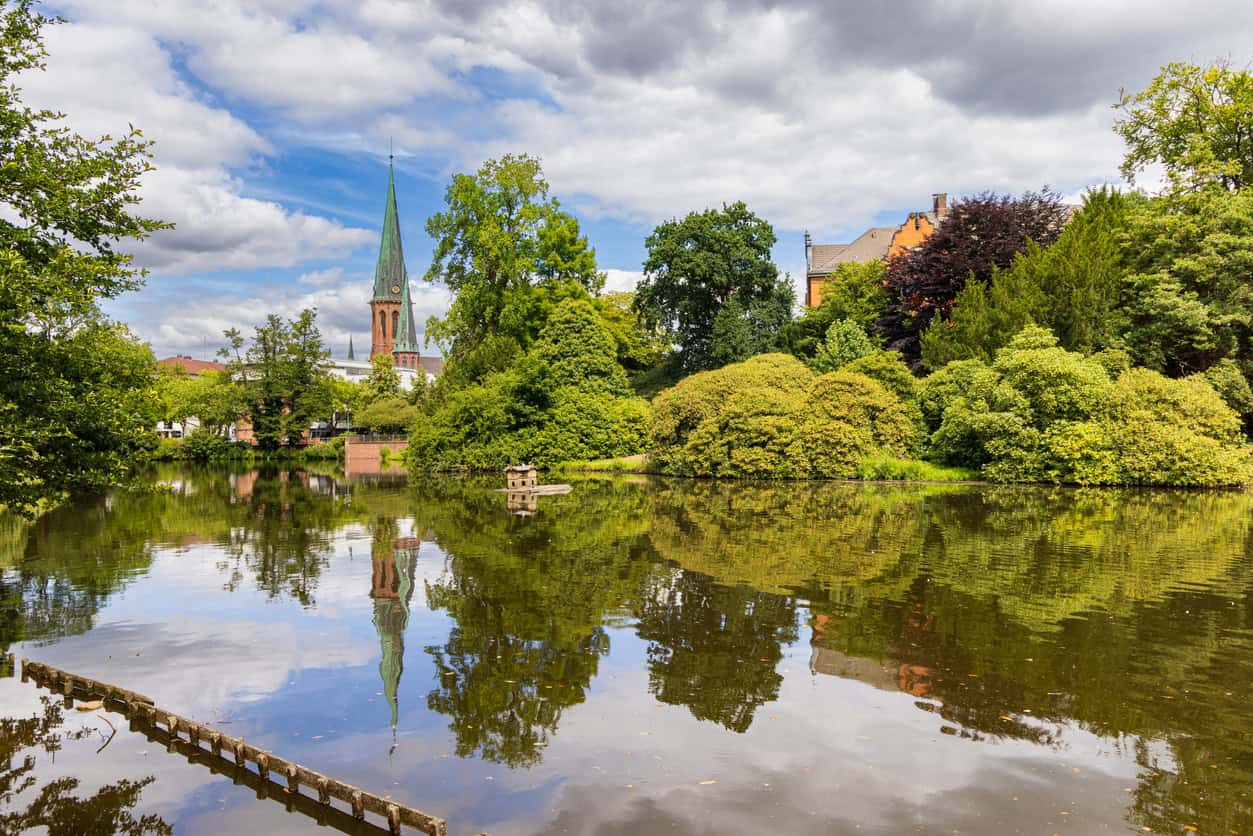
(392, 329)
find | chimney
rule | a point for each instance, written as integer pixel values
(939, 203)
(809, 251)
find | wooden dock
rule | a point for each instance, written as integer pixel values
(229, 755)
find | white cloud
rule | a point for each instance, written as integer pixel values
(617, 281)
(186, 317)
(106, 76)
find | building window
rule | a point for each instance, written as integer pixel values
(395, 324)
(383, 324)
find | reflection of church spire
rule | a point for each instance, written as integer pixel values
(392, 590)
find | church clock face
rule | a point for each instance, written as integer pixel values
(395, 288)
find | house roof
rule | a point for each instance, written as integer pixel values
(871, 245)
(434, 365)
(190, 366)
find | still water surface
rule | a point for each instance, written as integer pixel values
(645, 656)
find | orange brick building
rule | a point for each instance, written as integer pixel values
(875, 244)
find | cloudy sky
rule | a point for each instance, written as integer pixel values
(273, 118)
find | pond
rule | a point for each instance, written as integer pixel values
(643, 656)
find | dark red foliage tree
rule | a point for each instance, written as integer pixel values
(977, 234)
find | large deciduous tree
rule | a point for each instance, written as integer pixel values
(509, 254)
(77, 392)
(284, 376)
(1196, 122)
(700, 264)
(978, 235)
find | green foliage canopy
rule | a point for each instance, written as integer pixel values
(697, 265)
(283, 373)
(77, 393)
(508, 253)
(1196, 122)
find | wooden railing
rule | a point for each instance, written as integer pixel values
(146, 718)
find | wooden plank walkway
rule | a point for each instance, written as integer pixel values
(230, 755)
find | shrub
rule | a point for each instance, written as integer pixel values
(583, 425)
(1115, 361)
(1191, 403)
(959, 379)
(1141, 449)
(846, 341)
(566, 399)
(1045, 414)
(387, 415)
(681, 409)
(889, 369)
(167, 450)
(1231, 384)
(847, 417)
(204, 446)
(753, 434)
(769, 418)
(1059, 385)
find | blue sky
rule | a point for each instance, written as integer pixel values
(273, 117)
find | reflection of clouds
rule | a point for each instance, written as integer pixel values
(197, 666)
(885, 760)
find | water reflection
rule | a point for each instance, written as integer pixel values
(56, 806)
(393, 560)
(999, 617)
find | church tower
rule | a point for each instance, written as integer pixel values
(392, 329)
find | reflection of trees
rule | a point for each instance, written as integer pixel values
(714, 648)
(787, 535)
(55, 808)
(69, 562)
(56, 573)
(528, 598)
(1126, 612)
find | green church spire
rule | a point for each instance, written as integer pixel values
(389, 274)
(406, 331)
(351, 356)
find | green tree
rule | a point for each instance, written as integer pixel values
(639, 347)
(731, 339)
(1189, 294)
(853, 291)
(384, 379)
(387, 415)
(214, 400)
(697, 265)
(77, 393)
(508, 253)
(845, 342)
(1196, 122)
(1074, 287)
(284, 375)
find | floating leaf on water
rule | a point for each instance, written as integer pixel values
(706, 783)
(90, 705)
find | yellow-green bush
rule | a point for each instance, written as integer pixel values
(887, 367)
(848, 417)
(1044, 414)
(769, 418)
(678, 411)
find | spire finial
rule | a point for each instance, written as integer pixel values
(390, 156)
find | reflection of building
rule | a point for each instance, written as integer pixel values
(886, 675)
(392, 590)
